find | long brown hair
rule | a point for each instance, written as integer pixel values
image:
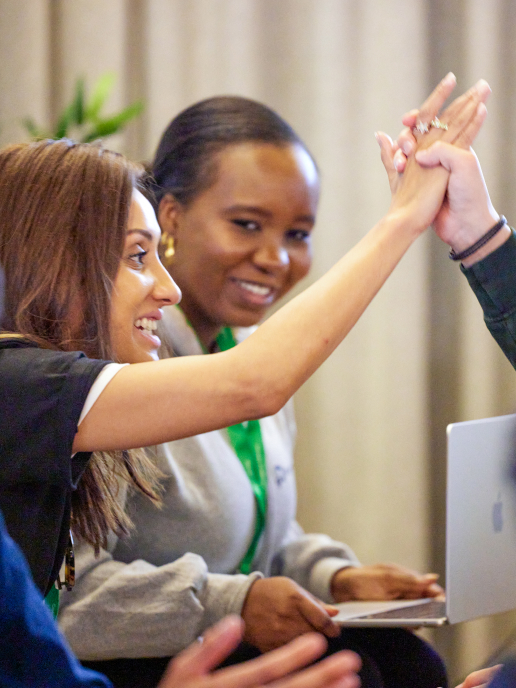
(64, 209)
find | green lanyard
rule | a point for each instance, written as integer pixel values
(52, 601)
(246, 439)
(52, 598)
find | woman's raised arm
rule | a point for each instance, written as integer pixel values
(150, 403)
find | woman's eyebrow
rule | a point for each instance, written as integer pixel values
(249, 209)
(306, 218)
(265, 213)
(145, 232)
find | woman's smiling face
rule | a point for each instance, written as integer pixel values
(142, 287)
(245, 241)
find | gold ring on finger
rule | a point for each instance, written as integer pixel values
(437, 124)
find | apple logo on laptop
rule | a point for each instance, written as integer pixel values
(498, 515)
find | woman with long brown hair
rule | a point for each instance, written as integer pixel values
(64, 225)
(78, 244)
(59, 247)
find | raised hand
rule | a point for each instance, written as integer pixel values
(194, 667)
(462, 120)
(467, 212)
(277, 609)
(383, 582)
(407, 141)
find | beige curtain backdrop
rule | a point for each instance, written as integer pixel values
(371, 451)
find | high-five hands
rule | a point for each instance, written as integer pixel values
(458, 126)
(194, 668)
(469, 121)
(467, 212)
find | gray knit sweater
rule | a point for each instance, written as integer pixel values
(147, 595)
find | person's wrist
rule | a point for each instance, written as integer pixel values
(490, 246)
(249, 598)
(470, 232)
(339, 587)
(480, 243)
(475, 240)
(404, 220)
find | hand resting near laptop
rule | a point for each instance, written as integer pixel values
(383, 582)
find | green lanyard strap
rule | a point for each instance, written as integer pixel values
(246, 439)
(52, 600)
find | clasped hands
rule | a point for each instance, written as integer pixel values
(466, 212)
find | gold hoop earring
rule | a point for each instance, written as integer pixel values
(167, 241)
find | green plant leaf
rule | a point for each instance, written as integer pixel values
(73, 114)
(32, 129)
(84, 117)
(101, 91)
(63, 124)
(78, 103)
(111, 125)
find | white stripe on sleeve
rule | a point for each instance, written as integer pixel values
(104, 378)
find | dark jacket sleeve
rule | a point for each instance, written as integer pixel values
(494, 282)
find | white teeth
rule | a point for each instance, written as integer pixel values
(146, 324)
(255, 288)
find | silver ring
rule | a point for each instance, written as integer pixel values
(421, 127)
(424, 128)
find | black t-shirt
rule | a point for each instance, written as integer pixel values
(42, 394)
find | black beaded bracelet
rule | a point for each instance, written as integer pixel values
(481, 242)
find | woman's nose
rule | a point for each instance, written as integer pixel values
(165, 288)
(272, 255)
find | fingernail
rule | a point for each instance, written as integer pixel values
(407, 147)
(450, 77)
(377, 137)
(482, 84)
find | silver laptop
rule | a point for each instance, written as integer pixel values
(480, 534)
